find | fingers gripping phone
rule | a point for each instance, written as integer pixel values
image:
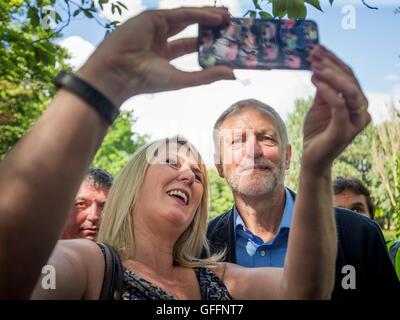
(248, 43)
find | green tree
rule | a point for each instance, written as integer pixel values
(221, 198)
(294, 125)
(119, 144)
(27, 28)
(386, 165)
(26, 74)
(30, 61)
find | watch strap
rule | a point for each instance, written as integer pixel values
(87, 92)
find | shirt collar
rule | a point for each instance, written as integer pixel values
(286, 217)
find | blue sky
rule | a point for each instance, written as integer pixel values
(371, 48)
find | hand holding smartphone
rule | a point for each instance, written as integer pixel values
(248, 43)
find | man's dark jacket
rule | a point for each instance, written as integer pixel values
(360, 244)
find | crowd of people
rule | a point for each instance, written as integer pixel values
(272, 244)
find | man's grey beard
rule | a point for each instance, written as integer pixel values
(262, 183)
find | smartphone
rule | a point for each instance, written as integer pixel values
(248, 43)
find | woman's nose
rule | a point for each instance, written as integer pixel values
(186, 175)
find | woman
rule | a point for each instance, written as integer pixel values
(37, 185)
(156, 218)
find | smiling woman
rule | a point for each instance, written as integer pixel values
(149, 188)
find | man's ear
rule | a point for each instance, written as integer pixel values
(218, 165)
(288, 156)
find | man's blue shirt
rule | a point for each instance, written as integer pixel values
(251, 251)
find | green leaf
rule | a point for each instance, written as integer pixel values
(76, 12)
(279, 8)
(250, 12)
(296, 9)
(58, 18)
(256, 5)
(92, 8)
(264, 14)
(87, 13)
(331, 1)
(314, 3)
(122, 5)
(33, 14)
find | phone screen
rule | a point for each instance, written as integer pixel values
(248, 43)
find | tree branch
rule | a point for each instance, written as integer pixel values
(368, 6)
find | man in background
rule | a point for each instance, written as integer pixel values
(85, 218)
(350, 193)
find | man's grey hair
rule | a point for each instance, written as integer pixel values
(255, 104)
(99, 178)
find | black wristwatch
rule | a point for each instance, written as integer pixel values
(83, 89)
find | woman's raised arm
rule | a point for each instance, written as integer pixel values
(40, 176)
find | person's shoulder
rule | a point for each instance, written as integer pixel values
(351, 218)
(352, 226)
(79, 245)
(84, 252)
(91, 257)
(222, 219)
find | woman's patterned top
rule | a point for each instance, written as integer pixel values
(137, 288)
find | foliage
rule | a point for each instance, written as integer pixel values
(281, 8)
(291, 8)
(27, 26)
(386, 162)
(294, 125)
(26, 74)
(119, 144)
(221, 198)
(30, 60)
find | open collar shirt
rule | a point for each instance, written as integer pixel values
(251, 251)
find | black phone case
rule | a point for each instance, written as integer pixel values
(248, 43)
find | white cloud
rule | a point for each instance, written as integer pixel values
(79, 49)
(392, 77)
(379, 104)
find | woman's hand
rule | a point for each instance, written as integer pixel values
(134, 59)
(338, 114)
